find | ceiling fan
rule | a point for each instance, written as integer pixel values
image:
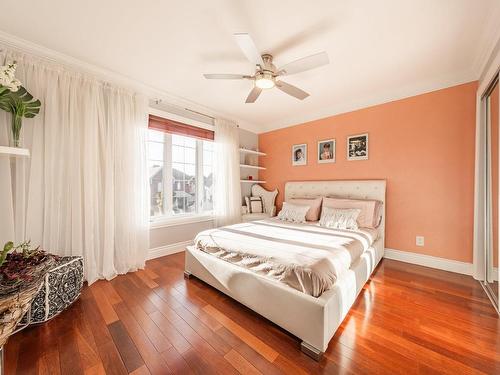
(266, 74)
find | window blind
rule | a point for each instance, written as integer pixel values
(174, 127)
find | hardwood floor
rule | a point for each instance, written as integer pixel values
(407, 320)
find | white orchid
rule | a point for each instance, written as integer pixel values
(7, 77)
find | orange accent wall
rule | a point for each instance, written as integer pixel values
(423, 146)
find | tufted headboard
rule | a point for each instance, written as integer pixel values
(357, 189)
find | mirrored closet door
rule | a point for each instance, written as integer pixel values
(491, 107)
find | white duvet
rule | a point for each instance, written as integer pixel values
(306, 257)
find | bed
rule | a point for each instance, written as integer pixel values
(311, 316)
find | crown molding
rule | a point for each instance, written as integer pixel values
(363, 103)
(17, 44)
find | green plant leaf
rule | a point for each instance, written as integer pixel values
(3, 255)
(3, 90)
(21, 103)
(5, 103)
(8, 246)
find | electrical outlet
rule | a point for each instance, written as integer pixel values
(420, 241)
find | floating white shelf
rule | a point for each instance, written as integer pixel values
(251, 166)
(254, 181)
(14, 151)
(247, 151)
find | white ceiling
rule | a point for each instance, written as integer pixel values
(380, 50)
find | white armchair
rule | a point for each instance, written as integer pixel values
(268, 198)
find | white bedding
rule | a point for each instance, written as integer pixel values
(306, 257)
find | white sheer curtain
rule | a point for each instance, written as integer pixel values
(84, 190)
(227, 197)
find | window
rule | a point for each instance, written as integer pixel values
(180, 174)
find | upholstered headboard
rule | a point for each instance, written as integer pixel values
(357, 189)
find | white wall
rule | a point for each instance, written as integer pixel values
(173, 238)
(250, 141)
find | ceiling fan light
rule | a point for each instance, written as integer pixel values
(264, 83)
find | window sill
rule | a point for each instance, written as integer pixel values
(181, 220)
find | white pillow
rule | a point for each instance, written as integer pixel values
(255, 205)
(339, 218)
(293, 212)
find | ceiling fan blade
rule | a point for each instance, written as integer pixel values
(254, 94)
(305, 63)
(291, 90)
(225, 76)
(247, 46)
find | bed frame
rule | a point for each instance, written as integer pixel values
(313, 320)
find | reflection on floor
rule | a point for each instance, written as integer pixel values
(494, 287)
(408, 320)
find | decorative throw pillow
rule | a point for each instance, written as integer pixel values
(293, 212)
(315, 206)
(339, 218)
(371, 209)
(255, 205)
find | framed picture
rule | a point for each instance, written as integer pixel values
(299, 154)
(357, 147)
(326, 151)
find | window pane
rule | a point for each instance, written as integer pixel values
(208, 146)
(183, 169)
(189, 142)
(190, 171)
(177, 140)
(207, 201)
(155, 150)
(190, 155)
(177, 154)
(156, 186)
(178, 171)
(155, 135)
(184, 196)
(207, 172)
(207, 157)
(180, 140)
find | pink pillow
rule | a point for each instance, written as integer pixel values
(314, 206)
(369, 216)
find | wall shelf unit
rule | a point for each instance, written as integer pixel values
(14, 151)
(247, 151)
(252, 166)
(254, 181)
(249, 163)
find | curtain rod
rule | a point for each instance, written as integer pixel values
(159, 101)
(199, 113)
(202, 114)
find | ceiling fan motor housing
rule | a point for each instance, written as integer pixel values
(268, 62)
(265, 75)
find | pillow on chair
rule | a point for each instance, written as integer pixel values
(255, 205)
(268, 197)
